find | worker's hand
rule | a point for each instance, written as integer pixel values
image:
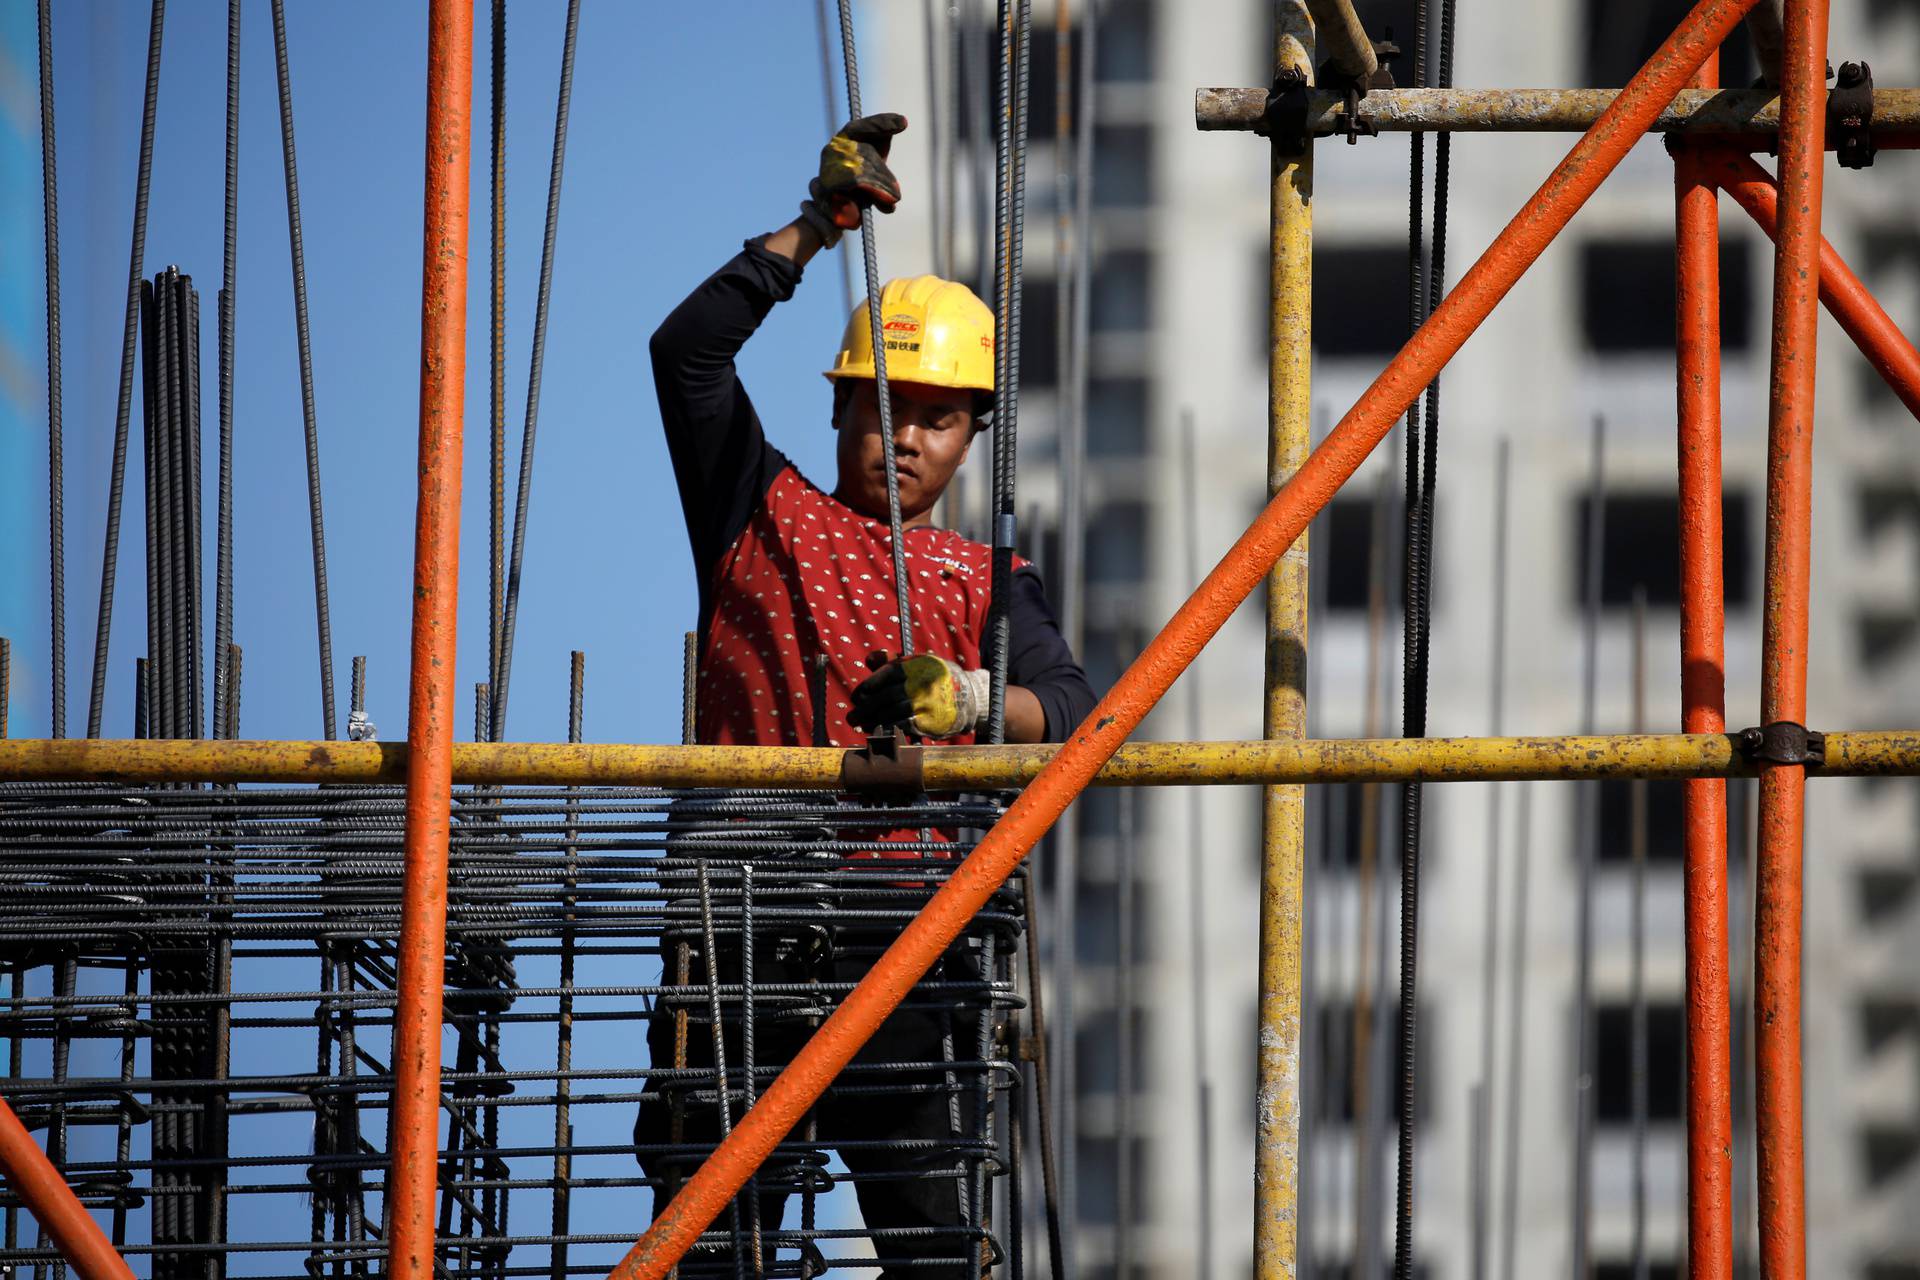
(930, 695)
(853, 176)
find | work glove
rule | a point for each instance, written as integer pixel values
(853, 176)
(930, 695)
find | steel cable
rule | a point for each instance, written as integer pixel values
(56, 475)
(498, 719)
(870, 258)
(315, 514)
(1426, 279)
(1016, 32)
(223, 567)
(116, 484)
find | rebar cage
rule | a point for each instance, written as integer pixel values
(199, 1003)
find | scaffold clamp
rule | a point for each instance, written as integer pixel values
(1783, 742)
(886, 766)
(1284, 119)
(1850, 115)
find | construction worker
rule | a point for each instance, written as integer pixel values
(789, 573)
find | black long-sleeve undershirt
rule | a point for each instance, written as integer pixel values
(724, 464)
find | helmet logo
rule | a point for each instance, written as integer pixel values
(902, 333)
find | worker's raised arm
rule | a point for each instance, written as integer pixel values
(721, 459)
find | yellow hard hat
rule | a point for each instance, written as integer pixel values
(938, 333)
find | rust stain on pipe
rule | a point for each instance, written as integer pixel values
(1847, 300)
(1779, 1124)
(46, 1195)
(1141, 686)
(1703, 710)
(413, 1126)
(1754, 112)
(1872, 753)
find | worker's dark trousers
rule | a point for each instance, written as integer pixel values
(892, 1129)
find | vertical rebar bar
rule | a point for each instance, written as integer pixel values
(315, 514)
(689, 687)
(136, 260)
(56, 475)
(523, 491)
(497, 348)
(1637, 954)
(563, 1022)
(896, 541)
(1587, 853)
(1516, 1039)
(1016, 35)
(227, 303)
(1490, 962)
(233, 691)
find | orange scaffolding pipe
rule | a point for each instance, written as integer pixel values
(1703, 710)
(1285, 518)
(413, 1126)
(1783, 687)
(51, 1201)
(1846, 298)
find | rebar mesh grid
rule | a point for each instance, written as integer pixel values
(199, 994)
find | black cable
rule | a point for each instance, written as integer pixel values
(1425, 281)
(116, 485)
(870, 255)
(498, 720)
(1016, 37)
(56, 474)
(497, 350)
(223, 566)
(315, 514)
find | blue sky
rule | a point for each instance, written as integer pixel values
(692, 127)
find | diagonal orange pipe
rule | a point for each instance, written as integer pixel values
(1703, 688)
(1545, 213)
(1846, 298)
(413, 1124)
(1779, 1123)
(54, 1206)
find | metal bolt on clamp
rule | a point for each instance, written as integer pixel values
(1782, 742)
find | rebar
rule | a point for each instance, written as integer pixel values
(1016, 36)
(604, 878)
(536, 366)
(228, 303)
(896, 541)
(56, 476)
(136, 260)
(315, 514)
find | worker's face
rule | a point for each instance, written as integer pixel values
(932, 429)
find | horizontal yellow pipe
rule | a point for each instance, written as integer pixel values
(1722, 111)
(1149, 764)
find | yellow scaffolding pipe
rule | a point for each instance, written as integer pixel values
(1276, 1138)
(1873, 753)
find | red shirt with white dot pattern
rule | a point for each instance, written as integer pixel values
(809, 575)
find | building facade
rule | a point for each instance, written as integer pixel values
(1178, 333)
